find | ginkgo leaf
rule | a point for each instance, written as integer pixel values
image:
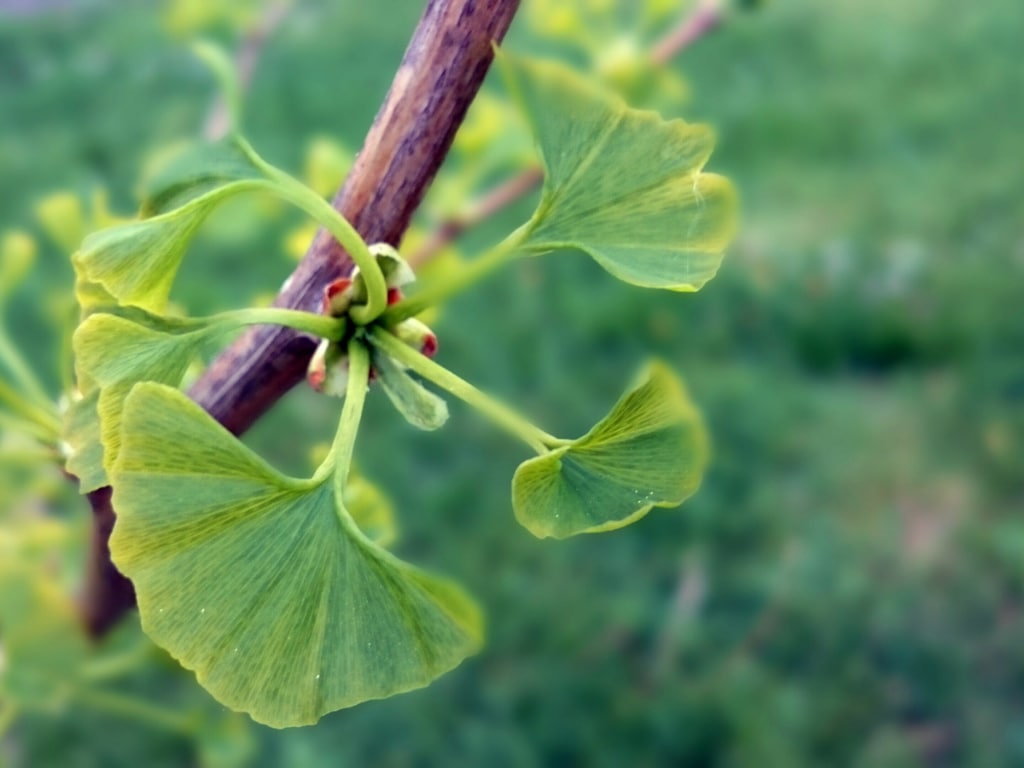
(621, 184)
(650, 451)
(263, 584)
(137, 262)
(420, 407)
(111, 348)
(189, 171)
(114, 352)
(82, 444)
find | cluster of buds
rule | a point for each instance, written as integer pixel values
(329, 367)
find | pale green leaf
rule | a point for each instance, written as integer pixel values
(263, 584)
(650, 451)
(137, 262)
(419, 406)
(137, 346)
(621, 184)
(189, 171)
(91, 297)
(83, 448)
(115, 352)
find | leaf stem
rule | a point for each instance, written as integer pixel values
(224, 72)
(319, 325)
(44, 418)
(298, 193)
(22, 372)
(119, 665)
(26, 457)
(136, 709)
(339, 459)
(475, 271)
(498, 412)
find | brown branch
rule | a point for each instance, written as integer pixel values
(497, 199)
(442, 70)
(702, 20)
(108, 594)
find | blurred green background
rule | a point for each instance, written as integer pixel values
(846, 588)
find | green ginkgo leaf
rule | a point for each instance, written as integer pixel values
(137, 346)
(137, 262)
(650, 451)
(263, 584)
(114, 352)
(621, 184)
(82, 444)
(186, 172)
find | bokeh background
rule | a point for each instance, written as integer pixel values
(847, 587)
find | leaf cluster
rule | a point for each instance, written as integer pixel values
(278, 591)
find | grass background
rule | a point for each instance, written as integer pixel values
(846, 589)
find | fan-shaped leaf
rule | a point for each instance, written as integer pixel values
(115, 352)
(650, 451)
(621, 184)
(263, 584)
(190, 171)
(82, 445)
(137, 346)
(137, 262)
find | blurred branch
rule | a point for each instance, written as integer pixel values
(703, 19)
(217, 122)
(440, 74)
(108, 595)
(477, 212)
(687, 601)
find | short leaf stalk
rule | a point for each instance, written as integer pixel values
(339, 459)
(317, 325)
(38, 419)
(474, 272)
(539, 440)
(31, 398)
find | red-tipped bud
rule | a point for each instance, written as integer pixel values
(429, 347)
(328, 369)
(337, 297)
(417, 335)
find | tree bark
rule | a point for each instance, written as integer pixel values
(441, 72)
